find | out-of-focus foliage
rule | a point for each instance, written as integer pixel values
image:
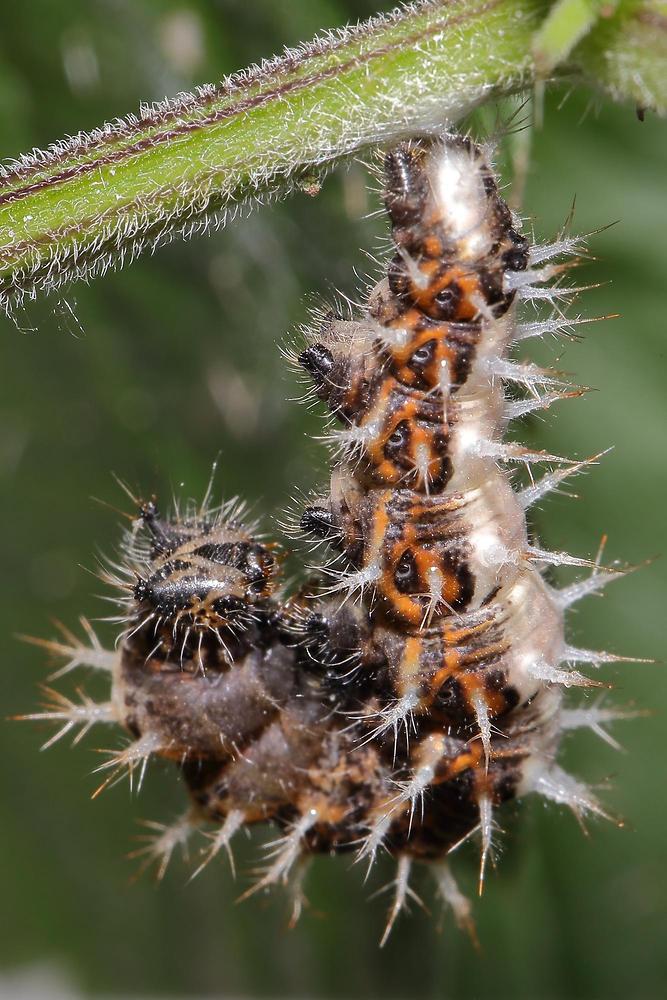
(151, 373)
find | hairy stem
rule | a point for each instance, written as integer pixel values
(97, 199)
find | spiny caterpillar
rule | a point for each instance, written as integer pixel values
(413, 685)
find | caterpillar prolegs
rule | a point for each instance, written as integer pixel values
(416, 681)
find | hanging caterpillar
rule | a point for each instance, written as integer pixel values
(416, 682)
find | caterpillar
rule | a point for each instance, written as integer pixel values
(416, 681)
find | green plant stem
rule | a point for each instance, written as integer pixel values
(96, 200)
(567, 23)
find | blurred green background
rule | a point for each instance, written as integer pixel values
(174, 360)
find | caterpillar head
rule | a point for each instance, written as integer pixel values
(205, 572)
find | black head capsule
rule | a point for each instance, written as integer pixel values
(319, 522)
(331, 374)
(516, 258)
(184, 594)
(318, 362)
(203, 573)
(406, 186)
(329, 647)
